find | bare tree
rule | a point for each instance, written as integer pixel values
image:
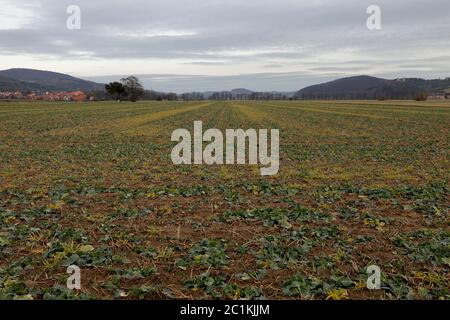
(133, 88)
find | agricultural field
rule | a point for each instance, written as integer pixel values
(92, 184)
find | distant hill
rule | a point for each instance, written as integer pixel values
(238, 91)
(29, 79)
(9, 84)
(366, 87)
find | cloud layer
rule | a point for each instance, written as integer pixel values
(210, 44)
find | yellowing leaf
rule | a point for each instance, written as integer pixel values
(339, 294)
(86, 248)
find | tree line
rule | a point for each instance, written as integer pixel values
(131, 89)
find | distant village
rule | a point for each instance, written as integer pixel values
(439, 95)
(78, 96)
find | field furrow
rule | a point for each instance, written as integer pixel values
(93, 184)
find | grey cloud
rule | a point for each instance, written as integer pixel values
(218, 33)
(288, 81)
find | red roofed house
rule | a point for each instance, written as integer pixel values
(78, 96)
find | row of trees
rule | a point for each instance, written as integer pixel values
(159, 96)
(228, 95)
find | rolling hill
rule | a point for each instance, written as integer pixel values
(9, 84)
(366, 87)
(29, 79)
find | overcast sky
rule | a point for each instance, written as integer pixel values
(186, 45)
